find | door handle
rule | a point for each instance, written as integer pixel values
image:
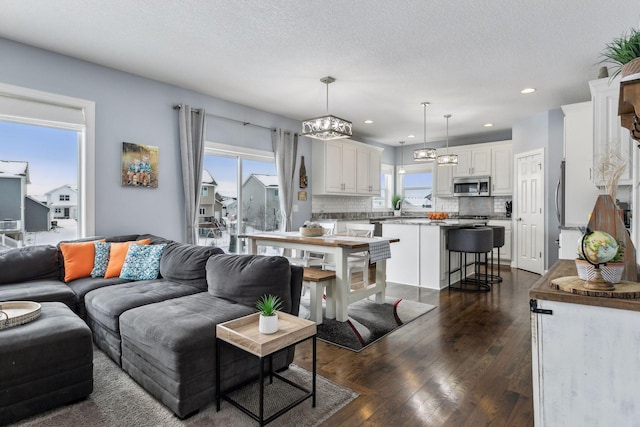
(518, 219)
(558, 201)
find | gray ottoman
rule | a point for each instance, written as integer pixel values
(45, 363)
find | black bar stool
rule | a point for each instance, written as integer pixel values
(498, 242)
(476, 241)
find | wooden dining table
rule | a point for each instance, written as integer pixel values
(340, 247)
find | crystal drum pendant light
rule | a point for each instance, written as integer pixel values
(424, 154)
(326, 127)
(401, 171)
(447, 159)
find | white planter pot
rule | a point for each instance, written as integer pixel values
(268, 324)
(397, 213)
(611, 272)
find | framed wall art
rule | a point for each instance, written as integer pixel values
(139, 165)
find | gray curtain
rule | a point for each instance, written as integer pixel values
(191, 123)
(285, 147)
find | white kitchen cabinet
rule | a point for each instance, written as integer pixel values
(505, 251)
(368, 166)
(584, 361)
(607, 131)
(580, 193)
(344, 167)
(443, 179)
(472, 162)
(502, 170)
(334, 167)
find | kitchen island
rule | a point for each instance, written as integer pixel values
(421, 258)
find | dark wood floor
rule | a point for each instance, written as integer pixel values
(466, 363)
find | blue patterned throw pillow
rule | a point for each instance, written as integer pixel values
(142, 262)
(101, 259)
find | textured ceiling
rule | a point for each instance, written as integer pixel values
(469, 58)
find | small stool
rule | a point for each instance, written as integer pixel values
(317, 280)
(45, 363)
(476, 241)
(498, 242)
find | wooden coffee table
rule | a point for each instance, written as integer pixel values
(243, 333)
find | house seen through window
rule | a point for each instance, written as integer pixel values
(237, 206)
(38, 184)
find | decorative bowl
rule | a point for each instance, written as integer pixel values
(311, 232)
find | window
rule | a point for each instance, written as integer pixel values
(417, 187)
(57, 115)
(203, 211)
(246, 198)
(386, 189)
(58, 210)
(64, 197)
(205, 191)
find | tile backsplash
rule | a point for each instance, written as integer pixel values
(346, 204)
(327, 204)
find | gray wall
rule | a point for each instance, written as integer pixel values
(135, 109)
(10, 195)
(545, 130)
(36, 216)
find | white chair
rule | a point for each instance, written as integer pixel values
(311, 259)
(358, 261)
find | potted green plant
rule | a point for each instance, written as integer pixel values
(396, 202)
(623, 53)
(268, 306)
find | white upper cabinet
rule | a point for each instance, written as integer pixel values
(501, 170)
(443, 178)
(494, 159)
(608, 134)
(472, 162)
(368, 170)
(344, 167)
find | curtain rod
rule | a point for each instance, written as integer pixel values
(178, 106)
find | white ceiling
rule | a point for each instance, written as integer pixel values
(469, 58)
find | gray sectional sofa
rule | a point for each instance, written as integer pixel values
(162, 331)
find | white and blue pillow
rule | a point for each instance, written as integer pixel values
(101, 259)
(142, 262)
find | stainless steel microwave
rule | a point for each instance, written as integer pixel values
(472, 186)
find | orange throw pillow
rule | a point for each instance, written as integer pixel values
(78, 259)
(117, 255)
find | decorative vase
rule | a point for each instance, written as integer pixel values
(397, 213)
(268, 324)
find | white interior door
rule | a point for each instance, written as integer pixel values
(529, 208)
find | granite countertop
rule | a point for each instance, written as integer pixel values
(543, 291)
(445, 223)
(381, 218)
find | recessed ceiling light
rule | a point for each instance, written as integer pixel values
(411, 136)
(368, 122)
(527, 90)
(488, 125)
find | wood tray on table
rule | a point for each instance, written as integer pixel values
(575, 285)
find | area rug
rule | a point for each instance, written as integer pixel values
(367, 321)
(117, 400)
